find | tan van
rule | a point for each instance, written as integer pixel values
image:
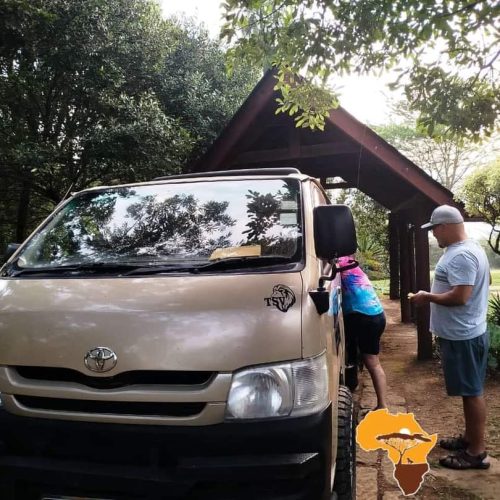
(180, 338)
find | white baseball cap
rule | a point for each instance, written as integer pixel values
(445, 214)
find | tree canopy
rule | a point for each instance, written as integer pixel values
(194, 87)
(446, 158)
(95, 92)
(481, 195)
(446, 53)
(371, 229)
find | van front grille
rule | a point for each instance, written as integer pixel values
(111, 407)
(139, 377)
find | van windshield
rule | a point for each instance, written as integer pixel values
(177, 224)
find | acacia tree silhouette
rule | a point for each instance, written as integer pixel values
(402, 442)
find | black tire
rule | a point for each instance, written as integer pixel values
(344, 486)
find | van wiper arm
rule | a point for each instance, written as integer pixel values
(250, 261)
(89, 266)
(145, 270)
(129, 269)
(228, 263)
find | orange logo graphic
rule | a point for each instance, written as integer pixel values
(406, 443)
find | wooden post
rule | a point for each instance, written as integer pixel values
(411, 263)
(404, 271)
(423, 283)
(393, 256)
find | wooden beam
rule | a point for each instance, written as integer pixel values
(339, 185)
(393, 256)
(294, 153)
(411, 263)
(390, 156)
(404, 270)
(408, 203)
(223, 147)
(294, 142)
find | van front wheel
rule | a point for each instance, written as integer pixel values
(344, 486)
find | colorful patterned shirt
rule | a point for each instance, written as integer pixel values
(358, 294)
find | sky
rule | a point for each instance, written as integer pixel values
(364, 97)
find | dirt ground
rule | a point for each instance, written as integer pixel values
(418, 387)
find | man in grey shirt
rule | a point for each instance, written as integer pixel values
(459, 303)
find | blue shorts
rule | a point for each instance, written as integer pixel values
(464, 365)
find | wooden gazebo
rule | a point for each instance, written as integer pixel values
(257, 137)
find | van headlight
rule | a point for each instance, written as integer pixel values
(289, 389)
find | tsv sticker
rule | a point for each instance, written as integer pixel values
(282, 298)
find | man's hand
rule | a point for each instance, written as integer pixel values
(457, 296)
(420, 298)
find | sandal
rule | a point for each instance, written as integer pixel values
(454, 443)
(462, 460)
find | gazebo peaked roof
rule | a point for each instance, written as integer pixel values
(257, 137)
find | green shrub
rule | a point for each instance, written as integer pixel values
(494, 310)
(494, 329)
(494, 352)
(371, 257)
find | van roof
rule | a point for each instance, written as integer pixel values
(253, 172)
(234, 173)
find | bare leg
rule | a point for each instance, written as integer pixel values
(379, 380)
(475, 423)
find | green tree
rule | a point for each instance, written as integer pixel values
(446, 158)
(96, 92)
(371, 230)
(481, 195)
(446, 52)
(195, 88)
(76, 88)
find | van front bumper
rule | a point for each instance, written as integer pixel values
(282, 459)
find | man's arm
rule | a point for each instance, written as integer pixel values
(457, 296)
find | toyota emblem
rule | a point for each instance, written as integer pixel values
(100, 359)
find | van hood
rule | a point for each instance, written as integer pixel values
(212, 323)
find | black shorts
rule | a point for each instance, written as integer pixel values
(363, 332)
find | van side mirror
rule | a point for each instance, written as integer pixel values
(334, 236)
(11, 249)
(334, 231)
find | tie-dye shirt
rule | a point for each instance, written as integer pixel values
(358, 294)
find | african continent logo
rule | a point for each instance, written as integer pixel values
(406, 443)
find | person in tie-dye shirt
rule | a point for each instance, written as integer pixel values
(364, 322)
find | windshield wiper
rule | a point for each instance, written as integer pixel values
(129, 269)
(250, 261)
(92, 267)
(228, 263)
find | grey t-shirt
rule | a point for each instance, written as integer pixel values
(463, 263)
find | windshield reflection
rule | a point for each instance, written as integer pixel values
(174, 224)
